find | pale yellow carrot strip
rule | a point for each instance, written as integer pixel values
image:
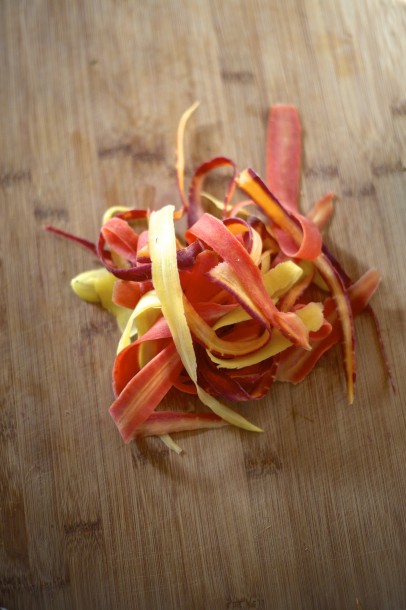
(147, 302)
(180, 160)
(281, 278)
(165, 276)
(115, 209)
(170, 443)
(311, 315)
(83, 285)
(96, 286)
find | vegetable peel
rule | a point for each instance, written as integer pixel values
(225, 310)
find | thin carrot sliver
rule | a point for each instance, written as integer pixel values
(283, 154)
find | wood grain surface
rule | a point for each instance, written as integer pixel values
(309, 514)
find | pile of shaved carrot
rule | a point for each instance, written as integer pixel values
(229, 307)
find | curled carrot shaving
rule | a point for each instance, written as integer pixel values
(216, 235)
(225, 310)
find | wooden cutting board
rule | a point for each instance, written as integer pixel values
(309, 514)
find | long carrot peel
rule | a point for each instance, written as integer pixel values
(306, 237)
(283, 150)
(224, 311)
